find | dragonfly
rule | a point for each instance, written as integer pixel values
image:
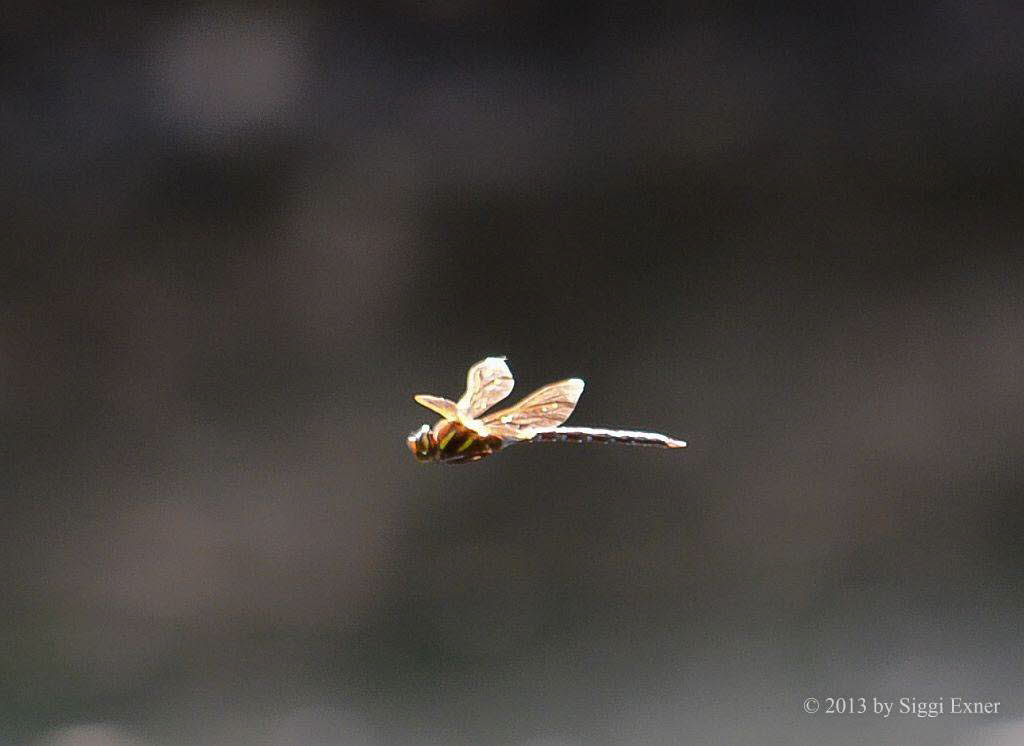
(467, 433)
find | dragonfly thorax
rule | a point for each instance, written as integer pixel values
(451, 443)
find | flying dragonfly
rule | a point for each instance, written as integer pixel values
(466, 433)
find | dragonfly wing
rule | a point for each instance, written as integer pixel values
(487, 383)
(547, 407)
(444, 407)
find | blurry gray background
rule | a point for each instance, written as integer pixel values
(237, 239)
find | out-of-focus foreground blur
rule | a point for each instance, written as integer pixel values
(237, 239)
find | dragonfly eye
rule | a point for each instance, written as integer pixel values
(421, 443)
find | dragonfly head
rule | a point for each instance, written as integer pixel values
(422, 443)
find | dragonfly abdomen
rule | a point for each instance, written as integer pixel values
(601, 435)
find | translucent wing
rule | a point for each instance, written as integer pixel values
(444, 407)
(487, 383)
(546, 407)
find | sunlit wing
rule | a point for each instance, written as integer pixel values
(487, 383)
(444, 407)
(547, 407)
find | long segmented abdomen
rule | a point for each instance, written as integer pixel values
(601, 435)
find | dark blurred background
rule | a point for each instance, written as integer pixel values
(238, 237)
